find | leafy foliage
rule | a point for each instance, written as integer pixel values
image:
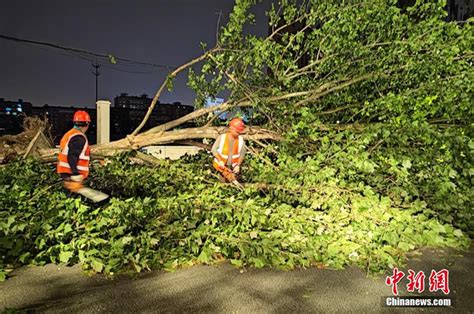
(347, 61)
(377, 156)
(175, 214)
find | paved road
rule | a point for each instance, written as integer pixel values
(223, 288)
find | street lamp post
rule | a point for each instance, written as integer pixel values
(96, 73)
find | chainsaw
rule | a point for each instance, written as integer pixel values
(79, 188)
(230, 176)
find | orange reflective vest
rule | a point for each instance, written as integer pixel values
(223, 150)
(84, 158)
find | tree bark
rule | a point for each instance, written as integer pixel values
(166, 137)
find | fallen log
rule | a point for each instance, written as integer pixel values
(159, 138)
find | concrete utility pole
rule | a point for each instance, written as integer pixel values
(96, 73)
(103, 121)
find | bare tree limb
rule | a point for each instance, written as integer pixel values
(196, 114)
(276, 31)
(336, 110)
(259, 156)
(375, 146)
(162, 87)
(325, 91)
(214, 117)
(217, 27)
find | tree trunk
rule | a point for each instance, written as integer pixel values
(159, 138)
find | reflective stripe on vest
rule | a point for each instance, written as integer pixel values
(66, 165)
(223, 150)
(84, 157)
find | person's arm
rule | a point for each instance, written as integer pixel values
(215, 145)
(76, 145)
(242, 154)
(214, 151)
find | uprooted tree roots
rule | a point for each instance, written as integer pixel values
(12, 146)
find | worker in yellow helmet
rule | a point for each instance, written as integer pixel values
(229, 150)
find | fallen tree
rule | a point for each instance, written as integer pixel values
(166, 137)
(374, 156)
(345, 77)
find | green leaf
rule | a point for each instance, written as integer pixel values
(204, 256)
(405, 246)
(97, 266)
(65, 256)
(126, 240)
(391, 238)
(458, 233)
(112, 59)
(137, 267)
(82, 256)
(257, 262)
(24, 257)
(333, 249)
(67, 228)
(236, 262)
(406, 164)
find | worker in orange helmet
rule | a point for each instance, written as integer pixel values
(229, 149)
(74, 157)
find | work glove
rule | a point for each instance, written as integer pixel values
(74, 183)
(236, 169)
(77, 178)
(73, 186)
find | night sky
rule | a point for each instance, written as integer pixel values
(164, 32)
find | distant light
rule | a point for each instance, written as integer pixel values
(213, 101)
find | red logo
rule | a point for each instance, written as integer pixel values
(416, 282)
(439, 281)
(394, 279)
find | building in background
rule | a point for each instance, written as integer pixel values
(60, 119)
(123, 119)
(132, 102)
(12, 114)
(129, 111)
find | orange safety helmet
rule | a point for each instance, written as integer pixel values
(237, 124)
(81, 116)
